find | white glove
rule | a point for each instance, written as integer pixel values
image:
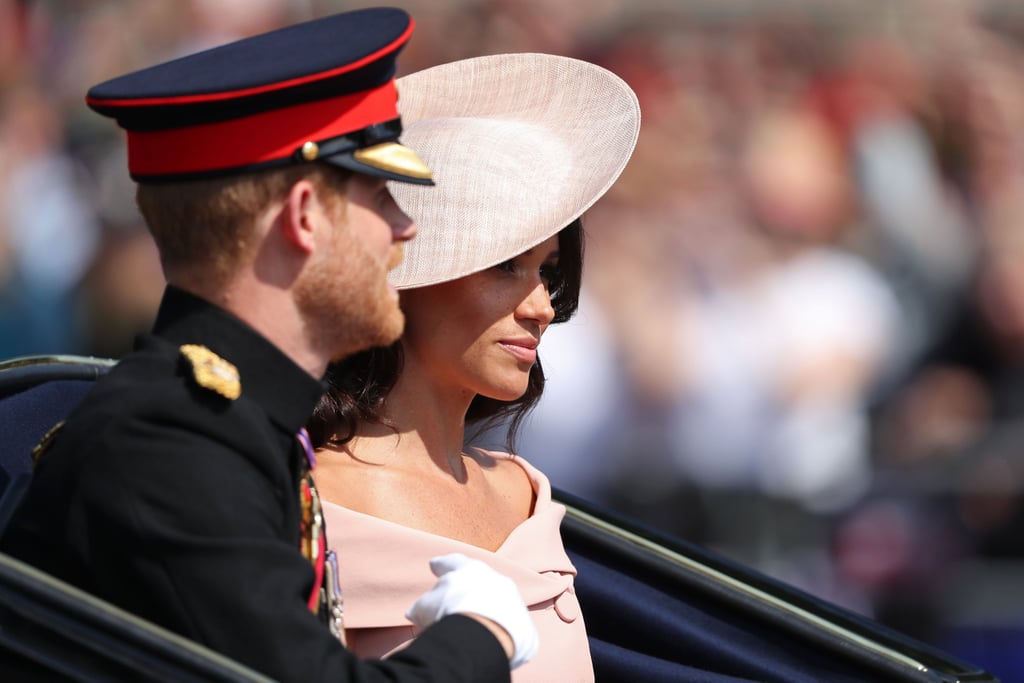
(468, 586)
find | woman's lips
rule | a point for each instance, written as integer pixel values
(521, 350)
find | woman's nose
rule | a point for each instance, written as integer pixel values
(537, 305)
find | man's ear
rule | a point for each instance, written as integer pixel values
(300, 215)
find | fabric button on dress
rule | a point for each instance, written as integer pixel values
(567, 607)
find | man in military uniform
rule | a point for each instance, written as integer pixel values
(179, 489)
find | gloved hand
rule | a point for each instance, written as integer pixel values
(468, 586)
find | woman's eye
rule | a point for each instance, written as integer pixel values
(551, 274)
(507, 266)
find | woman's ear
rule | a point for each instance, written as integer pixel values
(300, 214)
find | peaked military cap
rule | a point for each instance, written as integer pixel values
(320, 90)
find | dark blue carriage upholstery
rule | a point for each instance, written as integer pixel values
(35, 394)
(657, 608)
(29, 415)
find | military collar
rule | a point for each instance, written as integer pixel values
(285, 391)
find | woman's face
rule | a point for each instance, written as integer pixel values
(479, 334)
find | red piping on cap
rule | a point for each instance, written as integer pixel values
(244, 92)
(257, 138)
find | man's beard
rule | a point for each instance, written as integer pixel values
(348, 306)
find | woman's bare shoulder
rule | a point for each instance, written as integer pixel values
(506, 474)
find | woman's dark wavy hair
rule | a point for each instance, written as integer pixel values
(358, 385)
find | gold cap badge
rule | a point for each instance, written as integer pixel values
(212, 372)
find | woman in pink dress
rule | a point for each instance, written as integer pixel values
(521, 145)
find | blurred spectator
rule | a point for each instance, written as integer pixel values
(47, 228)
(783, 357)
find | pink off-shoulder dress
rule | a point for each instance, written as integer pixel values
(384, 568)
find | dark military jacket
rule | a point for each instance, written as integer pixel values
(169, 496)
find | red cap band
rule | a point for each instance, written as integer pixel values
(257, 138)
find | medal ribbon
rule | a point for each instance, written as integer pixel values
(318, 549)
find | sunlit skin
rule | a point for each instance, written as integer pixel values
(475, 335)
(345, 294)
(479, 334)
(314, 280)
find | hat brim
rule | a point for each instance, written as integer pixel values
(388, 160)
(520, 146)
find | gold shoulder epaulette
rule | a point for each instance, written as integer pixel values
(45, 442)
(212, 372)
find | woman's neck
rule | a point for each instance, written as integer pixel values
(422, 423)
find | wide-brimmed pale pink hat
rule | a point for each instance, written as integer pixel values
(520, 146)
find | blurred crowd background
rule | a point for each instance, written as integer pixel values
(801, 341)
